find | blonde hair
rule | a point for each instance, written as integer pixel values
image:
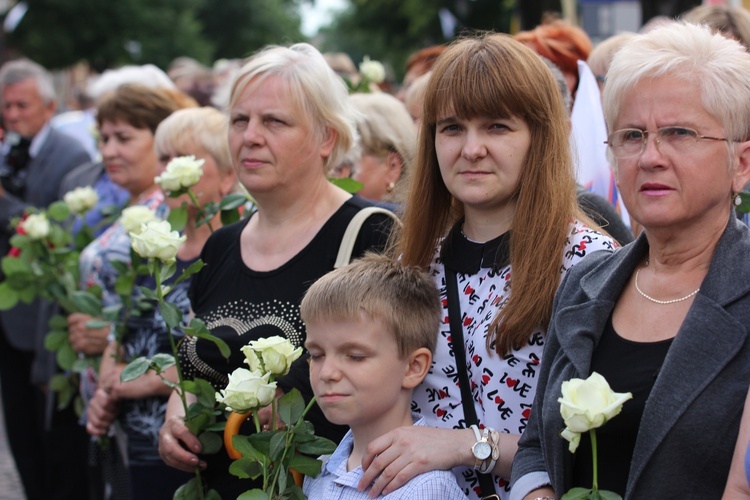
(404, 298)
(693, 53)
(385, 126)
(493, 75)
(206, 127)
(312, 87)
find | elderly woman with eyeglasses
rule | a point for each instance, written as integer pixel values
(665, 318)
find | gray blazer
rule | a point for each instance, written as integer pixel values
(691, 419)
(58, 155)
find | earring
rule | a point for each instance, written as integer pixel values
(737, 200)
(390, 187)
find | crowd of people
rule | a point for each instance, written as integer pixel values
(447, 306)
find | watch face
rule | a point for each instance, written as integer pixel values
(482, 450)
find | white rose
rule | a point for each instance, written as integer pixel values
(133, 218)
(372, 70)
(81, 200)
(272, 354)
(247, 390)
(157, 240)
(36, 226)
(588, 404)
(182, 172)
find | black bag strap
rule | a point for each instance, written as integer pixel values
(457, 336)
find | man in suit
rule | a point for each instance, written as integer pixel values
(35, 158)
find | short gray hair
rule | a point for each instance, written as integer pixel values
(19, 70)
(720, 66)
(313, 87)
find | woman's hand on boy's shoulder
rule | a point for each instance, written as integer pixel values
(393, 459)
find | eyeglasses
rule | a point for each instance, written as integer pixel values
(629, 142)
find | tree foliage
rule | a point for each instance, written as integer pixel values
(59, 33)
(390, 30)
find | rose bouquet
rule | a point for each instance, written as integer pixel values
(158, 244)
(586, 405)
(274, 451)
(43, 264)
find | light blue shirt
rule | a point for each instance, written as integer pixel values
(336, 483)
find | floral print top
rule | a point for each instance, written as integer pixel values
(503, 388)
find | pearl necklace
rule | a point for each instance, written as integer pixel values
(657, 301)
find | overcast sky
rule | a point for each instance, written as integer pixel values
(313, 17)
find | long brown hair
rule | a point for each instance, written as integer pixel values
(494, 76)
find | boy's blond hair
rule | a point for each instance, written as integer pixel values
(403, 297)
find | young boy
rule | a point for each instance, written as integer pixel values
(371, 330)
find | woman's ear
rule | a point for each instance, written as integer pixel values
(395, 165)
(418, 363)
(741, 176)
(329, 141)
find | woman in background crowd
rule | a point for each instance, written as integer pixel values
(387, 140)
(140, 405)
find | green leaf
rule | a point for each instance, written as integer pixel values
(97, 324)
(347, 184)
(58, 322)
(223, 347)
(124, 284)
(211, 442)
(54, 340)
(163, 361)
(243, 445)
(245, 468)
(171, 314)
(577, 494)
(745, 205)
(609, 495)
(58, 211)
(293, 492)
(305, 465)
(149, 293)
(229, 217)
(194, 268)
(213, 495)
(135, 369)
(277, 445)
(8, 296)
(188, 491)
(318, 446)
(86, 303)
(231, 201)
(261, 441)
(120, 266)
(27, 295)
(291, 407)
(66, 356)
(205, 393)
(178, 218)
(12, 265)
(254, 494)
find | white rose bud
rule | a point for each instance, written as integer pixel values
(272, 354)
(36, 226)
(133, 218)
(81, 199)
(247, 390)
(372, 70)
(182, 172)
(157, 240)
(588, 404)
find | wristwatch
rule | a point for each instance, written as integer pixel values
(482, 449)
